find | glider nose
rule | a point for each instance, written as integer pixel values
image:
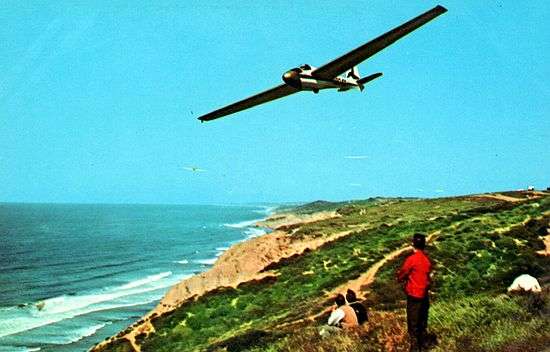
(292, 78)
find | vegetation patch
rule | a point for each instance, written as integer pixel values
(478, 247)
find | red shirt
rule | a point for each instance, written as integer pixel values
(416, 270)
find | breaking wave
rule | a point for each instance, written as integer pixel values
(242, 224)
(266, 210)
(145, 281)
(78, 334)
(209, 261)
(14, 319)
(254, 232)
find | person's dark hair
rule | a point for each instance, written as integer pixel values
(351, 296)
(340, 300)
(419, 241)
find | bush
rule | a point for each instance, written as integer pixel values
(485, 323)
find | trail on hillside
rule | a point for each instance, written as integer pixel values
(498, 196)
(503, 198)
(360, 284)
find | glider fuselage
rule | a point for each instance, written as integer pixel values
(302, 78)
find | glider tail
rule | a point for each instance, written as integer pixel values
(353, 73)
(362, 81)
(353, 76)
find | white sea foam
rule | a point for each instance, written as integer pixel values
(29, 322)
(266, 210)
(221, 250)
(78, 334)
(145, 281)
(254, 232)
(184, 261)
(63, 304)
(242, 224)
(209, 261)
(18, 349)
(14, 320)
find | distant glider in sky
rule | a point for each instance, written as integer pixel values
(307, 77)
(194, 169)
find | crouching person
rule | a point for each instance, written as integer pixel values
(358, 307)
(342, 317)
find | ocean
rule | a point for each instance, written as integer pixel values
(73, 274)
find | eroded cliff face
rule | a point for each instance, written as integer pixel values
(241, 263)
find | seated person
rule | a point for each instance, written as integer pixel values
(360, 310)
(343, 316)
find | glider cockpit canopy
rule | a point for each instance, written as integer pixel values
(302, 68)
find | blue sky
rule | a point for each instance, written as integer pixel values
(99, 101)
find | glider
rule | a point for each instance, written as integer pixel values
(194, 169)
(340, 74)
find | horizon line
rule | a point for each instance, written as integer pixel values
(260, 203)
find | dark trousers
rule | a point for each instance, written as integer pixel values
(417, 320)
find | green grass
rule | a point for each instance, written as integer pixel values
(489, 323)
(389, 212)
(321, 205)
(473, 266)
(479, 248)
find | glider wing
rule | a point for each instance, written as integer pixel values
(275, 93)
(354, 57)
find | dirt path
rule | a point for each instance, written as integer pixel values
(498, 196)
(502, 197)
(360, 284)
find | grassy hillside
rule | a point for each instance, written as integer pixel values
(478, 246)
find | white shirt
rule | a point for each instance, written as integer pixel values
(336, 317)
(525, 282)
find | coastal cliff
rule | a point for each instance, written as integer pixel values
(272, 291)
(242, 262)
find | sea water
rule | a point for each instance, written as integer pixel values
(72, 275)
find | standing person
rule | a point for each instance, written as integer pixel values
(415, 272)
(360, 310)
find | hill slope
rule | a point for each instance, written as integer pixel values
(275, 298)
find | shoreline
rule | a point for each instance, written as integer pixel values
(242, 262)
(118, 289)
